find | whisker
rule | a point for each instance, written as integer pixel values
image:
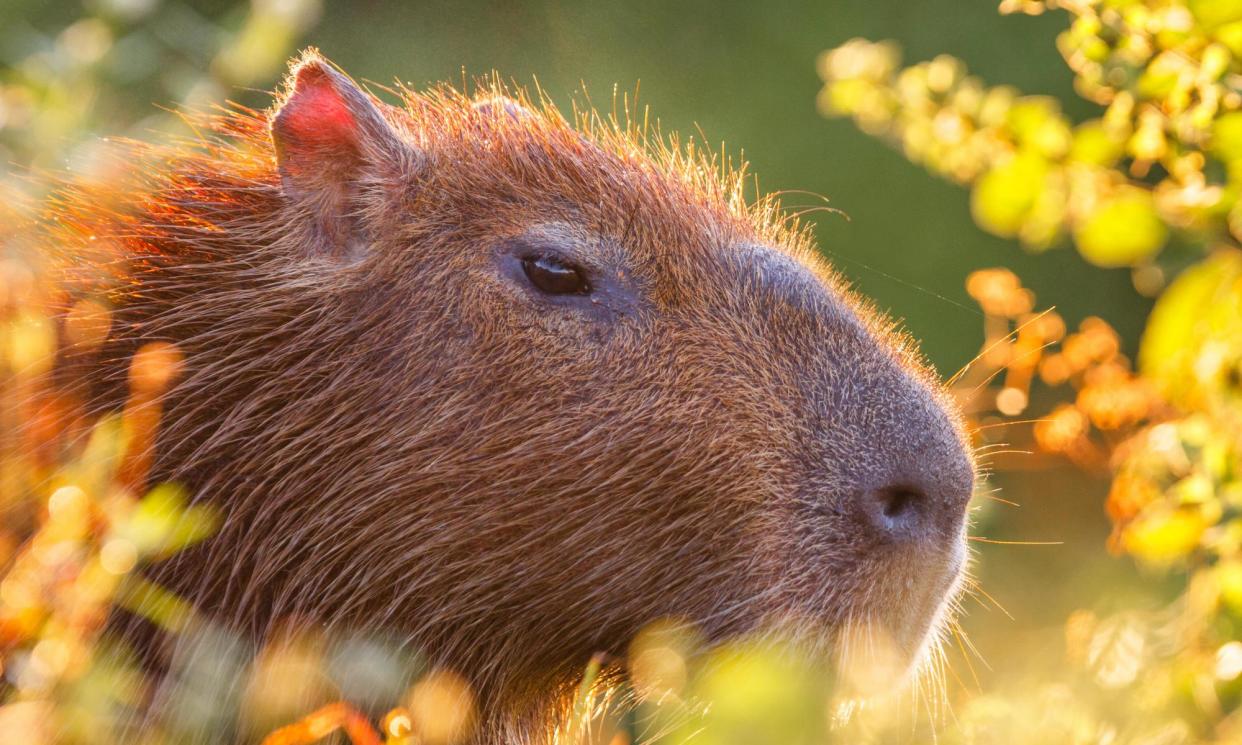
(1008, 423)
(954, 378)
(956, 631)
(838, 257)
(992, 376)
(991, 445)
(1011, 452)
(952, 671)
(964, 640)
(1002, 500)
(804, 192)
(974, 587)
(981, 539)
(811, 210)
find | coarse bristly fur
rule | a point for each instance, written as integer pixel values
(402, 432)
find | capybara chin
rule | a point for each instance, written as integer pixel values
(510, 388)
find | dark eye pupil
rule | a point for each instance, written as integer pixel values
(553, 277)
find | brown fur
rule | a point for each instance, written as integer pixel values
(399, 436)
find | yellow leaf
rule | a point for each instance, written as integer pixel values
(1162, 537)
(1211, 13)
(31, 344)
(757, 694)
(1230, 35)
(1229, 580)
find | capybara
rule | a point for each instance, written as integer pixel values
(510, 387)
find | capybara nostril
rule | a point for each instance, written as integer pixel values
(928, 509)
(897, 512)
(899, 502)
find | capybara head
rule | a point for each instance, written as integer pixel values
(513, 388)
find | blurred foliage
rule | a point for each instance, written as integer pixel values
(1160, 166)
(102, 73)
(1164, 155)
(77, 518)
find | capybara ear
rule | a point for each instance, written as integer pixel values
(331, 142)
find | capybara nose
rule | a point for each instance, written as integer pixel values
(927, 506)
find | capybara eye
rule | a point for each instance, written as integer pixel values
(555, 277)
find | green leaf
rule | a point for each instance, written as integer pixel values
(1037, 123)
(1192, 345)
(162, 524)
(1123, 230)
(1003, 197)
(1227, 137)
(1094, 145)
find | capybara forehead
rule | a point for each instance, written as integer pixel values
(517, 160)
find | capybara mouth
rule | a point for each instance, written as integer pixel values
(884, 652)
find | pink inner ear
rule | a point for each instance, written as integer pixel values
(316, 116)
